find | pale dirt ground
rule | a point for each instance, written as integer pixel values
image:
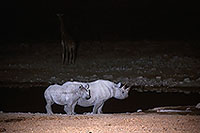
(104, 123)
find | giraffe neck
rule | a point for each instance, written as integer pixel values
(62, 27)
(64, 35)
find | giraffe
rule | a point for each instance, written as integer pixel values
(68, 44)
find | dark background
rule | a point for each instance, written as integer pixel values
(111, 20)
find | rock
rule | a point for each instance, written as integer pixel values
(165, 55)
(181, 82)
(187, 80)
(197, 106)
(158, 77)
(53, 78)
(94, 76)
(141, 77)
(139, 110)
(187, 92)
(198, 79)
(107, 76)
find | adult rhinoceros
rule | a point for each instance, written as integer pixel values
(101, 90)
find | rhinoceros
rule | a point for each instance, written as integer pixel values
(101, 91)
(67, 96)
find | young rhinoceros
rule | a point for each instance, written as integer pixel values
(67, 96)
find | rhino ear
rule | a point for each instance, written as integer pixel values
(119, 85)
(87, 86)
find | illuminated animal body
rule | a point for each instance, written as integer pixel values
(101, 91)
(67, 96)
(68, 44)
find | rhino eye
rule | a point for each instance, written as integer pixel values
(122, 92)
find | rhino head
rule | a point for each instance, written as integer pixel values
(121, 92)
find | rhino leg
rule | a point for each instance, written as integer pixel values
(98, 108)
(72, 109)
(68, 109)
(48, 108)
(49, 102)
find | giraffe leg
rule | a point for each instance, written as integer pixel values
(63, 52)
(73, 55)
(70, 56)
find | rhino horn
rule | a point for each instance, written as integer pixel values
(128, 89)
(124, 87)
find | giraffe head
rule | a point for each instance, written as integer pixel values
(59, 14)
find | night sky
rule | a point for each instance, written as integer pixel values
(113, 20)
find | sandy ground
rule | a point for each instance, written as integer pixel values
(104, 123)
